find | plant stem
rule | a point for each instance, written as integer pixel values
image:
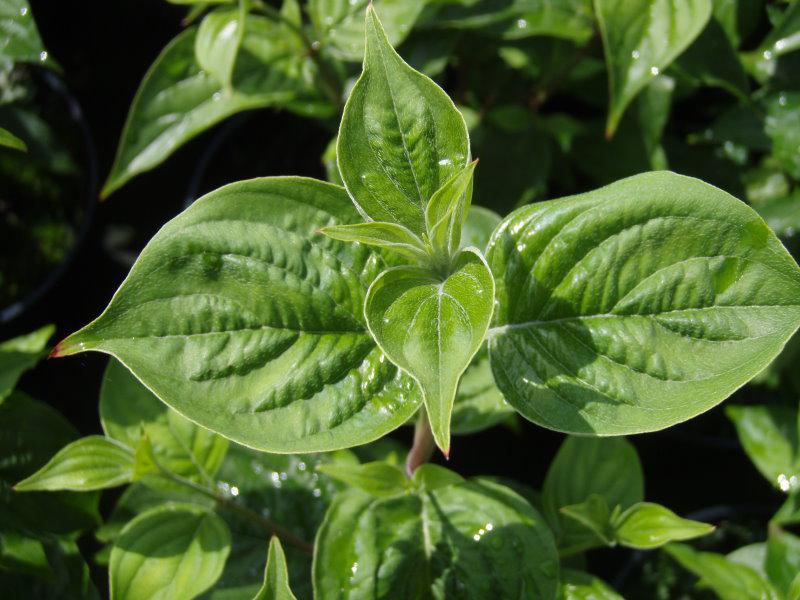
(422, 450)
(267, 524)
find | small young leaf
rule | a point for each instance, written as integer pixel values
(646, 525)
(128, 408)
(19, 354)
(429, 477)
(401, 136)
(90, 463)
(378, 479)
(217, 43)
(768, 435)
(175, 552)
(641, 38)
(9, 140)
(391, 236)
(595, 514)
(447, 210)
(471, 539)
(576, 585)
(242, 317)
(636, 306)
(276, 576)
(431, 328)
(729, 580)
(585, 466)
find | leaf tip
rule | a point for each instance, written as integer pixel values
(57, 351)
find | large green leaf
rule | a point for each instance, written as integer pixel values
(21, 41)
(177, 100)
(583, 467)
(173, 552)
(471, 539)
(728, 579)
(243, 318)
(128, 408)
(19, 354)
(340, 23)
(768, 435)
(90, 463)
(431, 328)
(401, 136)
(636, 306)
(30, 433)
(641, 38)
(276, 578)
(516, 19)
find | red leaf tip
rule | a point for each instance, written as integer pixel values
(57, 351)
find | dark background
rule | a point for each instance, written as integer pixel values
(104, 49)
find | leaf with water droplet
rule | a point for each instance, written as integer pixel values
(437, 529)
(431, 326)
(636, 306)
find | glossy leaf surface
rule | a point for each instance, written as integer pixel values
(20, 34)
(19, 354)
(217, 43)
(378, 479)
(390, 236)
(172, 552)
(241, 317)
(464, 540)
(90, 463)
(127, 408)
(401, 137)
(276, 577)
(431, 328)
(641, 38)
(729, 580)
(636, 306)
(646, 525)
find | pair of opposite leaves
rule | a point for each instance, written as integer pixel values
(623, 310)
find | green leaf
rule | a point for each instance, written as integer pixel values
(479, 404)
(245, 320)
(641, 38)
(30, 433)
(19, 354)
(447, 210)
(217, 43)
(636, 306)
(429, 477)
(576, 585)
(594, 514)
(90, 463)
(517, 19)
(479, 226)
(783, 558)
(712, 61)
(794, 589)
(9, 140)
(22, 42)
(378, 479)
(390, 236)
(784, 38)
(175, 551)
(585, 466)
(782, 125)
(465, 540)
(768, 435)
(431, 328)
(729, 580)
(646, 525)
(782, 214)
(22, 554)
(340, 23)
(276, 577)
(177, 100)
(401, 137)
(128, 408)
